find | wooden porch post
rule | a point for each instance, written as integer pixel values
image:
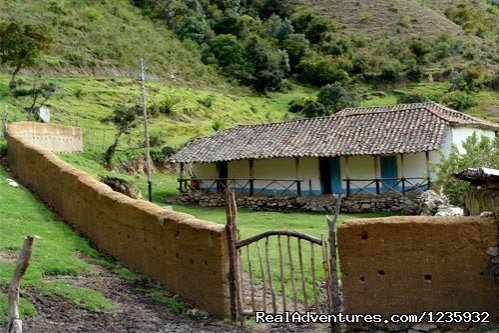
(252, 177)
(347, 174)
(427, 154)
(297, 175)
(402, 172)
(181, 176)
(376, 172)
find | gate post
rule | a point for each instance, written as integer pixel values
(335, 289)
(234, 269)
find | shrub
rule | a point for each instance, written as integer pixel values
(164, 106)
(208, 101)
(457, 100)
(408, 98)
(321, 70)
(296, 46)
(335, 97)
(314, 109)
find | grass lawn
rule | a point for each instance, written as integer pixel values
(53, 254)
(251, 223)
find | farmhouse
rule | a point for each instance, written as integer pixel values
(367, 150)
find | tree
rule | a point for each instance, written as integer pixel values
(124, 118)
(21, 44)
(296, 45)
(335, 97)
(476, 153)
(39, 93)
(227, 50)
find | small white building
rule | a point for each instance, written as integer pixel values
(356, 151)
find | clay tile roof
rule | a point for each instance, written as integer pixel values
(404, 128)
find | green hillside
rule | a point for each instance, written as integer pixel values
(106, 38)
(473, 24)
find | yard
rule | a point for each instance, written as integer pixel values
(249, 223)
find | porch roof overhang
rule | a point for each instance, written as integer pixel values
(407, 128)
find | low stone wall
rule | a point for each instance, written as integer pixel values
(355, 204)
(187, 255)
(418, 263)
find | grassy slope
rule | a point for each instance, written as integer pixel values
(53, 253)
(85, 101)
(107, 38)
(380, 17)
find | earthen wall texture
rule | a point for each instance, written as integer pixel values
(413, 264)
(187, 255)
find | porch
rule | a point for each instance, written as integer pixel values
(365, 175)
(296, 187)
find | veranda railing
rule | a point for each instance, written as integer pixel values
(240, 186)
(378, 186)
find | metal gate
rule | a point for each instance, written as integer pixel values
(280, 270)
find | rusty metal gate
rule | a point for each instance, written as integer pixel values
(280, 270)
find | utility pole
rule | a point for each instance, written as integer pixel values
(146, 132)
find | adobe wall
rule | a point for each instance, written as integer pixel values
(187, 255)
(416, 263)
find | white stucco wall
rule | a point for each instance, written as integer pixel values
(204, 170)
(459, 134)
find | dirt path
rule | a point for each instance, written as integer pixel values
(135, 311)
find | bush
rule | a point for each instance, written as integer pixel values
(3, 149)
(208, 101)
(457, 100)
(477, 153)
(164, 106)
(335, 97)
(408, 98)
(494, 81)
(321, 70)
(314, 109)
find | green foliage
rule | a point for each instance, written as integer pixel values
(494, 82)
(21, 44)
(335, 97)
(420, 49)
(308, 108)
(407, 98)
(457, 100)
(296, 46)
(26, 309)
(164, 105)
(322, 70)
(471, 18)
(3, 148)
(473, 77)
(476, 153)
(208, 101)
(124, 119)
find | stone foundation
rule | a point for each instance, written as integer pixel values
(392, 202)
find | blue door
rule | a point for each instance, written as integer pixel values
(330, 175)
(334, 164)
(388, 170)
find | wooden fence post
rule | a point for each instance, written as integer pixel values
(335, 288)
(16, 324)
(234, 267)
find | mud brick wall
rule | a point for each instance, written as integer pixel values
(413, 264)
(187, 255)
